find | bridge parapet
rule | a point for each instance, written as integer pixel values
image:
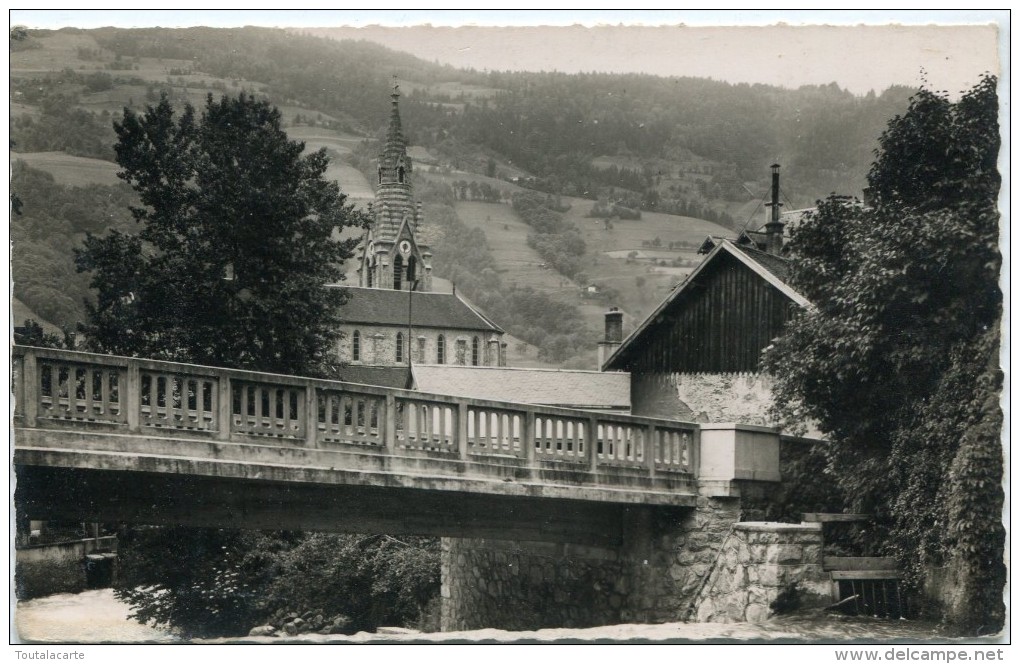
(56, 389)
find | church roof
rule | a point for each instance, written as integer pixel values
(380, 306)
(548, 387)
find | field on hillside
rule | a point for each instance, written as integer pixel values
(507, 235)
(643, 282)
(70, 170)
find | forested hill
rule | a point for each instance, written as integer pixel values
(639, 167)
(553, 125)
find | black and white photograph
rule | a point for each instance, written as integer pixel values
(445, 327)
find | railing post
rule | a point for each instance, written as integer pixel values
(462, 429)
(389, 441)
(528, 437)
(224, 407)
(592, 444)
(650, 444)
(311, 414)
(29, 390)
(132, 395)
(695, 452)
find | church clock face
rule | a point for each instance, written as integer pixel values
(405, 247)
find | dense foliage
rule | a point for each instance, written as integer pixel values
(224, 582)
(235, 245)
(555, 239)
(44, 235)
(898, 359)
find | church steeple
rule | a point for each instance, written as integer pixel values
(394, 166)
(391, 255)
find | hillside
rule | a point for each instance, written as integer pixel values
(688, 156)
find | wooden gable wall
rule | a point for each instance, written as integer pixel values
(719, 323)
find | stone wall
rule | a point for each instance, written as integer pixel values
(654, 577)
(703, 397)
(379, 345)
(763, 567)
(47, 569)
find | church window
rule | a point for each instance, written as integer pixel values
(474, 352)
(400, 347)
(421, 350)
(398, 273)
(412, 269)
(400, 175)
(356, 346)
(380, 175)
(441, 350)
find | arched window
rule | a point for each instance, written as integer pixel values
(356, 346)
(400, 175)
(371, 271)
(398, 273)
(400, 347)
(412, 265)
(441, 350)
(421, 350)
(474, 351)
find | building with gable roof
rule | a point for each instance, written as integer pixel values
(698, 355)
(393, 318)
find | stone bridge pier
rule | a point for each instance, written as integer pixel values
(699, 563)
(653, 576)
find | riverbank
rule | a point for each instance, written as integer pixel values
(96, 616)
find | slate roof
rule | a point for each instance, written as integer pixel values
(390, 376)
(382, 306)
(547, 387)
(776, 265)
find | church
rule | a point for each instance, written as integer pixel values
(393, 317)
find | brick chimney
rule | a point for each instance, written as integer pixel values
(614, 335)
(774, 228)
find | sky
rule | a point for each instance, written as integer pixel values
(953, 48)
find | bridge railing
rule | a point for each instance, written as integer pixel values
(53, 388)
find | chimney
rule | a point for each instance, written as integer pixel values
(614, 335)
(774, 228)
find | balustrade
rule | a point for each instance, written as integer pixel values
(146, 395)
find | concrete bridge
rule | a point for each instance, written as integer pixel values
(571, 517)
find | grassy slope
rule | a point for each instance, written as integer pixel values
(70, 170)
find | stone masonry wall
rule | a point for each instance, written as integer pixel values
(654, 577)
(703, 397)
(760, 563)
(379, 345)
(528, 585)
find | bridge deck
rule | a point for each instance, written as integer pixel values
(107, 413)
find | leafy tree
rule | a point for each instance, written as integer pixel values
(898, 359)
(235, 244)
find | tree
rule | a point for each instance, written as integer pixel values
(897, 360)
(235, 245)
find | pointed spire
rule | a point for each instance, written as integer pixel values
(394, 156)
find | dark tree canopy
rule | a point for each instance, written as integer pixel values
(235, 247)
(898, 359)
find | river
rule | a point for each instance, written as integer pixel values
(96, 616)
